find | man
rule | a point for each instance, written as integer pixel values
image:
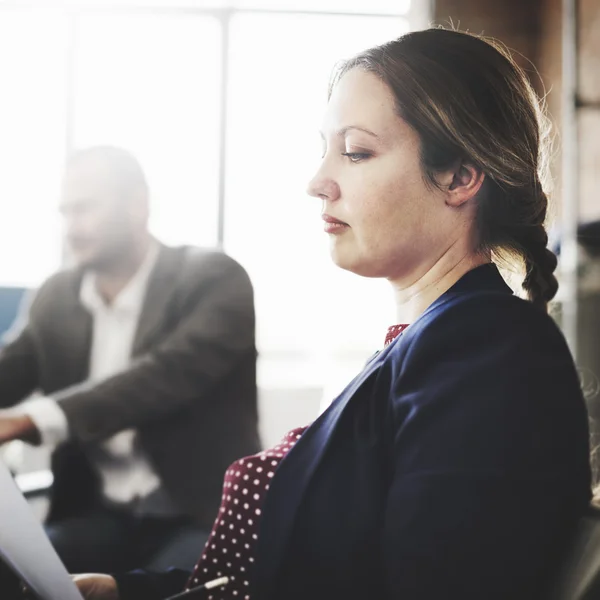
(145, 360)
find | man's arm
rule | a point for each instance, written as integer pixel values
(19, 378)
(42, 421)
(203, 348)
(18, 427)
(19, 374)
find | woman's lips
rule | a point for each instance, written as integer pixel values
(333, 225)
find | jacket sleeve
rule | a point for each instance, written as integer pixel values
(19, 369)
(147, 585)
(205, 346)
(489, 422)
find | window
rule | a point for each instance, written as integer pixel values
(279, 71)
(33, 47)
(155, 90)
(373, 7)
(150, 75)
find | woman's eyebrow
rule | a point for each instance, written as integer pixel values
(344, 130)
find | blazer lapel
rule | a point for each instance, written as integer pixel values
(80, 334)
(160, 290)
(293, 476)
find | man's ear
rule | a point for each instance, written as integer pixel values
(465, 180)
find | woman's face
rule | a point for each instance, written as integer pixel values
(393, 224)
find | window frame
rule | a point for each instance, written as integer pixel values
(418, 14)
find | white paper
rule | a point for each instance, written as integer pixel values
(26, 548)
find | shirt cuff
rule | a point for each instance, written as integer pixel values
(49, 419)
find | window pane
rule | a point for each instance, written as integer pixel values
(373, 7)
(277, 97)
(388, 7)
(32, 122)
(151, 83)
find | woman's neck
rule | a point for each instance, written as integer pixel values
(414, 297)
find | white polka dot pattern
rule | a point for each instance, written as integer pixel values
(393, 332)
(231, 546)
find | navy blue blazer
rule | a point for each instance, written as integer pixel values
(454, 467)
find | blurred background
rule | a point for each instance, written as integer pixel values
(221, 101)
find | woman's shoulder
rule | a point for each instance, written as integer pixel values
(484, 345)
(485, 318)
(480, 333)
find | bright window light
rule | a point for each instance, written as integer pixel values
(151, 83)
(384, 7)
(373, 7)
(32, 143)
(280, 68)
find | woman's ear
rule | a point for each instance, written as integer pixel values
(465, 180)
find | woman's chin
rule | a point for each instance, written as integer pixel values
(349, 263)
(354, 264)
(340, 258)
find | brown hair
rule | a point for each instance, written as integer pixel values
(468, 100)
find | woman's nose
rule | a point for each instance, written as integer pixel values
(323, 187)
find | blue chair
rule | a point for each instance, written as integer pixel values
(10, 301)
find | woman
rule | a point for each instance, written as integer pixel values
(456, 464)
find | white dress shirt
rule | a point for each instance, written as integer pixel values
(126, 473)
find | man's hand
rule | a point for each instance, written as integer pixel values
(19, 427)
(93, 586)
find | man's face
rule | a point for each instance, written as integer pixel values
(97, 215)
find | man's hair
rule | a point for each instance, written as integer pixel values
(123, 164)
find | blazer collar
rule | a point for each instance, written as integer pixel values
(80, 330)
(131, 298)
(159, 292)
(485, 278)
(297, 468)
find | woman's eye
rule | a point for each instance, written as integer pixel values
(356, 156)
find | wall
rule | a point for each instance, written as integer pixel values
(548, 58)
(589, 109)
(532, 31)
(514, 22)
(549, 62)
(533, 28)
